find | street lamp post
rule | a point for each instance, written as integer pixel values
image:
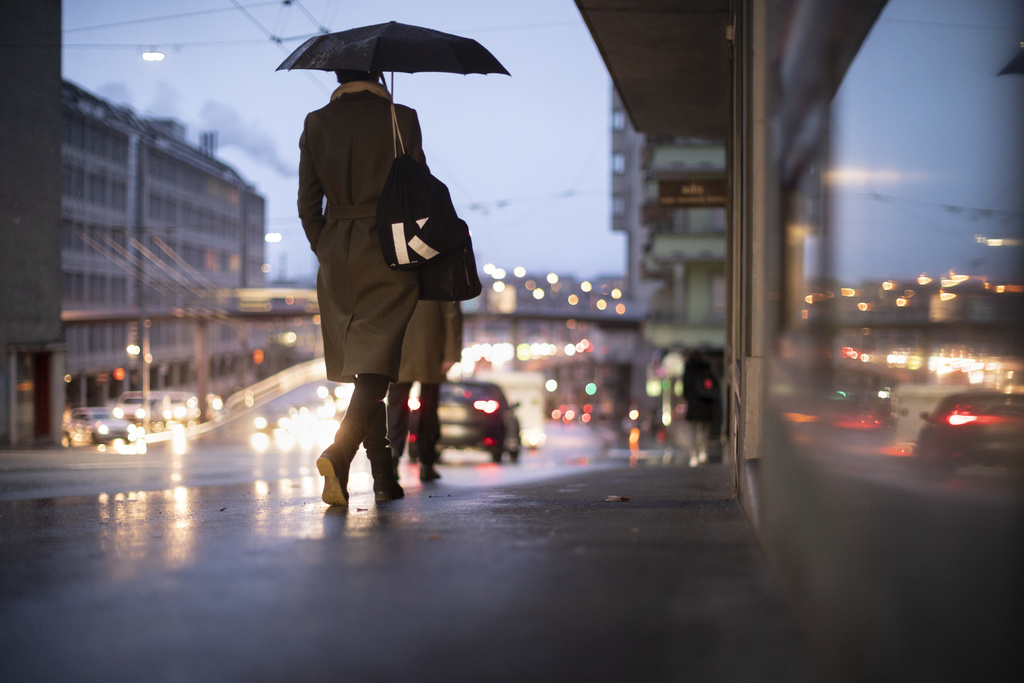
(147, 360)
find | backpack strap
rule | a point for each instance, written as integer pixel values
(396, 134)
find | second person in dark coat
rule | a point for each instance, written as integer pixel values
(433, 344)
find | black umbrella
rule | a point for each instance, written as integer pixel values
(1015, 65)
(393, 47)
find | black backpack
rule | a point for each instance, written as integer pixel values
(416, 220)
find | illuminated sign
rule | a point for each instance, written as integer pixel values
(693, 193)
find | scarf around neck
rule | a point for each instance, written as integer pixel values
(360, 86)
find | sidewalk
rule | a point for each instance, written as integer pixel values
(543, 581)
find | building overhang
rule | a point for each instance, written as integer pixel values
(669, 61)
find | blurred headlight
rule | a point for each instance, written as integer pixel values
(260, 422)
(103, 429)
(118, 413)
(140, 413)
(180, 412)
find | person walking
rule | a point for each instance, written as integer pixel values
(346, 151)
(701, 392)
(433, 344)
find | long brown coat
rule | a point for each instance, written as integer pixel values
(433, 342)
(346, 153)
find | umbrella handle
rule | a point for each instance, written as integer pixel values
(396, 135)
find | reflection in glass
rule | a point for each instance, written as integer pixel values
(903, 279)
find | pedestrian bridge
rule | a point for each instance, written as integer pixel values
(265, 303)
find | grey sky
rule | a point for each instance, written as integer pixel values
(929, 140)
(526, 157)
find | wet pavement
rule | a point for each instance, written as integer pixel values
(539, 579)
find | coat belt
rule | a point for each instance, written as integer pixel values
(351, 211)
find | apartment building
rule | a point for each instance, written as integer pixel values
(668, 196)
(153, 228)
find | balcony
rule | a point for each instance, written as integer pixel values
(665, 249)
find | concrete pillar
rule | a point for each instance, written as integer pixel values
(753, 221)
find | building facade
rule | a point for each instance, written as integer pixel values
(153, 228)
(840, 339)
(668, 196)
(31, 341)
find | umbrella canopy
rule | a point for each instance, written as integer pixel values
(393, 47)
(1015, 65)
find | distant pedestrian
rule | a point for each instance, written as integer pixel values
(702, 393)
(346, 151)
(433, 344)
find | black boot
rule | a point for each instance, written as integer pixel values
(382, 467)
(428, 472)
(385, 483)
(428, 457)
(333, 465)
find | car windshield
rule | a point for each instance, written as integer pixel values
(99, 414)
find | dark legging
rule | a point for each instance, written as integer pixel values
(428, 429)
(365, 419)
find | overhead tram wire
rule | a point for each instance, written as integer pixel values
(166, 268)
(485, 207)
(320, 27)
(130, 264)
(183, 15)
(276, 39)
(127, 262)
(183, 264)
(209, 43)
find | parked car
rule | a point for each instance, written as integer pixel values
(129, 407)
(96, 425)
(166, 409)
(475, 415)
(975, 427)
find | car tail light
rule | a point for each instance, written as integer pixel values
(962, 417)
(490, 441)
(488, 407)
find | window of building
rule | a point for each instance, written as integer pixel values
(119, 196)
(618, 205)
(618, 163)
(119, 291)
(618, 120)
(97, 292)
